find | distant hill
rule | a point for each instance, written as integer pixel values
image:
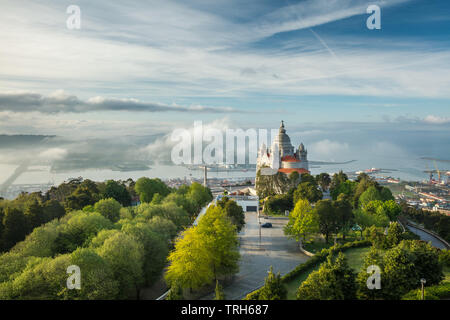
(21, 140)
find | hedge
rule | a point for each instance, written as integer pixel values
(315, 260)
(437, 292)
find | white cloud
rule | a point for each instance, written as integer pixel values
(432, 119)
(53, 154)
(168, 48)
(326, 148)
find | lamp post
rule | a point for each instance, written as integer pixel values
(423, 281)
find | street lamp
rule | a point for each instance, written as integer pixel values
(423, 281)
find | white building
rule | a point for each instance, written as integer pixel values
(282, 156)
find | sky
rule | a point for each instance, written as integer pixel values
(148, 67)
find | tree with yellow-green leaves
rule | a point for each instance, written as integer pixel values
(220, 238)
(204, 252)
(190, 261)
(303, 221)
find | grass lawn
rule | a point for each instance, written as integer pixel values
(355, 257)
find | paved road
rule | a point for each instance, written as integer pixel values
(275, 250)
(427, 237)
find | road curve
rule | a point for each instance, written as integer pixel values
(425, 236)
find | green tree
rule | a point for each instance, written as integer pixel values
(79, 229)
(323, 180)
(190, 261)
(117, 191)
(372, 258)
(52, 210)
(199, 195)
(233, 211)
(303, 222)
(392, 209)
(336, 181)
(344, 212)
(279, 203)
(371, 194)
(219, 236)
(334, 280)
(155, 249)
(163, 227)
(34, 213)
(109, 208)
(125, 255)
(328, 219)
(15, 227)
(97, 278)
(273, 288)
(85, 194)
(394, 234)
(308, 191)
(146, 188)
(406, 264)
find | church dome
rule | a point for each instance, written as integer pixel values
(284, 142)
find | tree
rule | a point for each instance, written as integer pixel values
(15, 227)
(125, 255)
(372, 258)
(190, 262)
(279, 203)
(328, 220)
(347, 188)
(109, 208)
(371, 194)
(308, 191)
(182, 201)
(219, 236)
(392, 209)
(406, 264)
(233, 211)
(163, 227)
(336, 181)
(34, 213)
(367, 219)
(155, 249)
(303, 221)
(394, 234)
(79, 229)
(146, 188)
(364, 182)
(52, 210)
(98, 282)
(343, 210)
(199, 195)
(85, 194)
(273, 288)
(220, 295)
(117, 191)
(334, 280)
(323, 180)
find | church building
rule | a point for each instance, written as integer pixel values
(282, 156)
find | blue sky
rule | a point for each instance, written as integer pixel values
(143, 67)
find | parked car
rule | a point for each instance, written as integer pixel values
(267, 225)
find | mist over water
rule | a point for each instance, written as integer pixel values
(397, 148)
